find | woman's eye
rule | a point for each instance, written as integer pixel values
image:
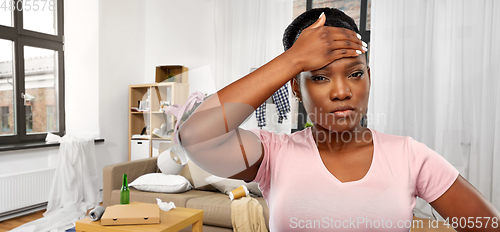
(356, 75)
(318, 78)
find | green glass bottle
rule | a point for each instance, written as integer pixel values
(125, 193)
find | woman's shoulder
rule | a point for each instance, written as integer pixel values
(389, 138)
(390, 143)
(397, 143)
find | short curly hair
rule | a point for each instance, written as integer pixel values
(334, 18)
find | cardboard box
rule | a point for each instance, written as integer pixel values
(131, 214)
(178, 72)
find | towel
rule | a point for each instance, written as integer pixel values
(247, 215)
(75, 188)
(280, 98)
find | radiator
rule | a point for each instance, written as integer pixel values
(25, 190)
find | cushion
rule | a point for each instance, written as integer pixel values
(197, 177)
(216, 209)
(159, 182)
(179, 199)
(226, 185)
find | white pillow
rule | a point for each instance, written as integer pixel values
(159, 182)
(226, 185)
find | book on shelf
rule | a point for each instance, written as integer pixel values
(135, 109)
(161, 132)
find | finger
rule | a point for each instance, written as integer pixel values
(320, 22)
(338, 33)
(347, 44)
(341, 53)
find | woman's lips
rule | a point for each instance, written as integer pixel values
(343, 113)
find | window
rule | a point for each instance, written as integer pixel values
(359, 10)
(299, 7)
(51, 119)
(31, 70)
(29, 119)
(5, 119)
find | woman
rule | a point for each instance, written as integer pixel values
(336, 175)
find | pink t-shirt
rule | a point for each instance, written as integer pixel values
(303, 195)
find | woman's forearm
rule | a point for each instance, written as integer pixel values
(216, 118)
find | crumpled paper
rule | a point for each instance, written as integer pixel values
(164, 205)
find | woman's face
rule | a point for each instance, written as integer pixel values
(343, 83)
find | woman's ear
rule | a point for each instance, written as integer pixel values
(294, 83)
(369, 77)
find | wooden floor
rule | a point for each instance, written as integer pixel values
(15, 222)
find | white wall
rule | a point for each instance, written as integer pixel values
(181, 32)
(82, 67)
(121, 63)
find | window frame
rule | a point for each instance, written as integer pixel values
(365, 36)
(22, 37)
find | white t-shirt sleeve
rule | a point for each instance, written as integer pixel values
(272, 143)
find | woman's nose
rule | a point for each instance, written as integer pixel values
(340, 90)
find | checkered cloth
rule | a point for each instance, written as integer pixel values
(282, 106)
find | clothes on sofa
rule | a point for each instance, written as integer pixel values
(303, 195)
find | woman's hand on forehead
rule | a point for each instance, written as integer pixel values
(340, 33)
(319, 45)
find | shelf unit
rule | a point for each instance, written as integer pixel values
(152, 117)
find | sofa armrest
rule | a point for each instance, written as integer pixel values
(113, 174)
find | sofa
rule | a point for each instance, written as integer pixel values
(216, 205)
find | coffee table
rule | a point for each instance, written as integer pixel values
(173, 220)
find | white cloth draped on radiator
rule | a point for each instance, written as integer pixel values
(75, 188)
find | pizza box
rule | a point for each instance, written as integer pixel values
(131, 214)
